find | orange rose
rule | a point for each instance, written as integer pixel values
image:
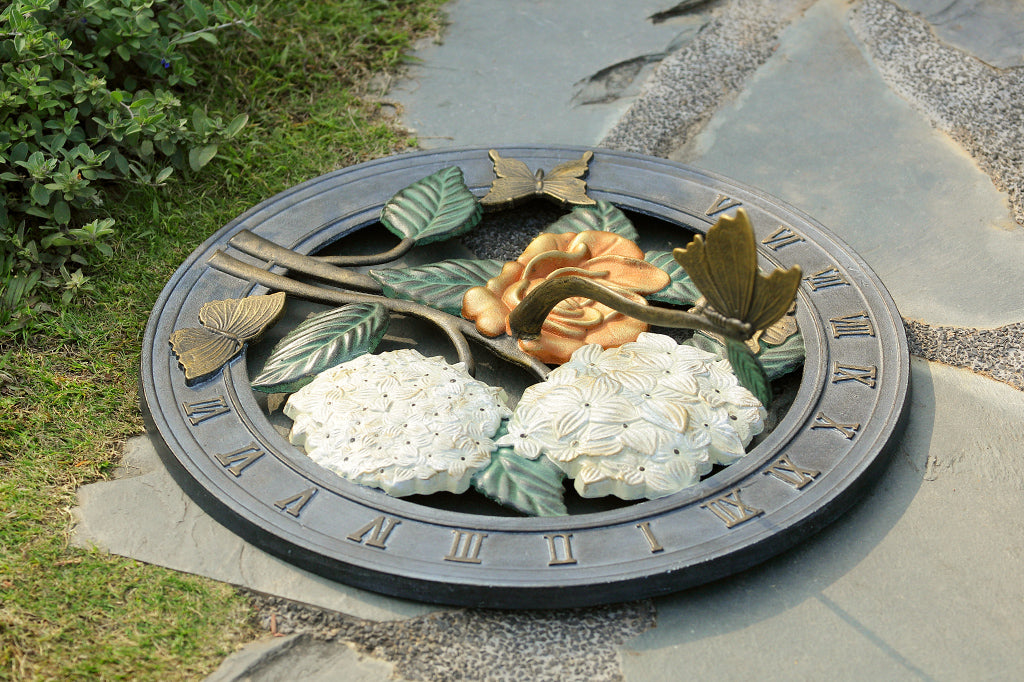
(614, 261)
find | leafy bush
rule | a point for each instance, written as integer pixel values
(89, 97)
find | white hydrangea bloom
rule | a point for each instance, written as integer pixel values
(398, 421)
(643, 420)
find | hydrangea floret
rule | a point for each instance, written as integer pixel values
(643, 420)
(399, 421)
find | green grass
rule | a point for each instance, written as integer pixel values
(69, 393)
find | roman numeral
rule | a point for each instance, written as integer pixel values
(862, 375)
(560, 548)
(731, 509)
(858, 324)
(467, 552)
(847, 430)
(645, 528)
(787, 472)
(381, 528)
(238, 460)
(825, 279)
(721, 204)
(296, 503)
(781, 237)
(199, 412)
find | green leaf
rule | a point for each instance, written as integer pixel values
(533, 487)
(784, 358)
(680, 290)
(163, 175)
(198, 10)
(605, 217)
(200, 156)
(437, 207)
(321, 342)
(236, 125)
(40, 194)
(440, 285)
(777, 361)
(62, 212)
(749, 372)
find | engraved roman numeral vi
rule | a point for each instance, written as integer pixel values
(862, 375)
(825, 279)
(467, 552)
(296, 503)
(858, 324)
(848, 431)
(787, 472)
(783, 236)
(731, 509)
(721, 204)
(380, 528)
(200, 411)
(237, 461)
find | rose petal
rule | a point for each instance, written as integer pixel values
(483, 307)
(639, 275)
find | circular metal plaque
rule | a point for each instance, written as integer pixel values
(225, 452)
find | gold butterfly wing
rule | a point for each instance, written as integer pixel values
(564, 183)
(242, 318)
(201, 351)
(514, 183)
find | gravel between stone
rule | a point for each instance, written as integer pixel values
(566, 645)
(996, 353)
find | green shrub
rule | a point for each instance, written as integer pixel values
(89, 97)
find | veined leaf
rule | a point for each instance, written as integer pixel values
(533, 487)
(321, 342)
(437, 207)
(777, 361)
(749, 372)
(784, 358)
(681, 290)
(440, 285)
(603, 216)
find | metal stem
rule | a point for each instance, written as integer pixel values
(456, 328)
(526, 319)
(254, 245)
(400, 250)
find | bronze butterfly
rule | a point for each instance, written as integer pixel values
(515, 182)
(227, 326)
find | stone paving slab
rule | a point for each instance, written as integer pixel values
(303, 658)
(146, 516)
(512, 72)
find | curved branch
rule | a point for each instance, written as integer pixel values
(506, 348)
(526, 319)
(445, 322)
(400, 250)
(456, 328)
(254, 245)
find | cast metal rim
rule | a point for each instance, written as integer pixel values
(830, 445)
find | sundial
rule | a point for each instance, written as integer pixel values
(215, 397)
